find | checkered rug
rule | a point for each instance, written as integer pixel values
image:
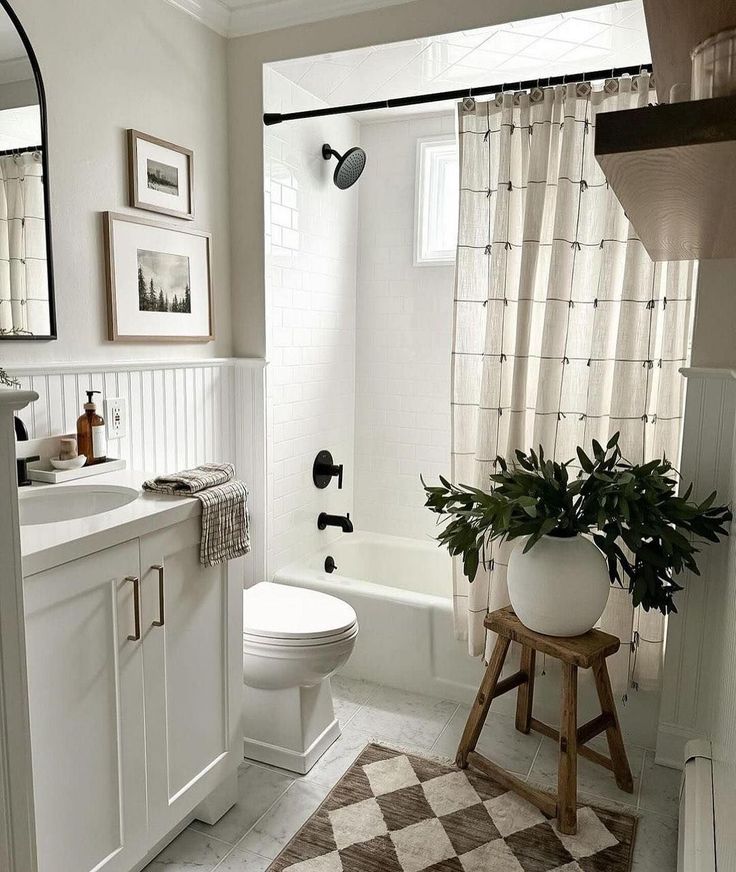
(396, 812)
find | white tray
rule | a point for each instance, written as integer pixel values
(42, 470)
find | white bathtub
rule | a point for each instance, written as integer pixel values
(401, 590)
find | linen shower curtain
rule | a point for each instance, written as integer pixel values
(564, 329)
(24, 293)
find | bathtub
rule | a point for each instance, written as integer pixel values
(401, 590)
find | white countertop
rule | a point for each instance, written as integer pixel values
(46, 545)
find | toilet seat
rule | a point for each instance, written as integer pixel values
(284, 616)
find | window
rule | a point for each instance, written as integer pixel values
(436, 210)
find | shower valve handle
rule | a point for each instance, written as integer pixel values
(325, 469)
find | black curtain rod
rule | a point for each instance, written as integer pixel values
(270, 118)
(24, 150)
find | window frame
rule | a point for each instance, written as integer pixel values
(423, 196)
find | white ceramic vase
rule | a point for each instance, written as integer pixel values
(560, 586)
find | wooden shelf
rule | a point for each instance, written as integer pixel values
(673, 169)
(675, 27)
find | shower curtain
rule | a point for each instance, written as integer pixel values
(24, 294)
(564, 329)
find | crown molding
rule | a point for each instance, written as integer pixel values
(257, 16)
(245, 17)
(212, 13)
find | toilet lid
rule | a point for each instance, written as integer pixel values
(279, 611)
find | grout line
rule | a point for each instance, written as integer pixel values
(230, 853)
(206, 835)
(442, 731)
(255, 823)
(641, 779)
(250, 830)
(350, 719)
(534, 759)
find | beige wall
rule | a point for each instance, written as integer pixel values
(109, 65)
(246, 57)
(714, 334)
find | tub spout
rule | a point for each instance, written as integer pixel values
(342, 521)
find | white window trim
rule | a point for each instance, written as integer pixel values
(420, 203)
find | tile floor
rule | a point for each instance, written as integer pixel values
(274, 804)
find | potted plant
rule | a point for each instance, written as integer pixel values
(612, 522)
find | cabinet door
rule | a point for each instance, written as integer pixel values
(188, 673)
(85, 682)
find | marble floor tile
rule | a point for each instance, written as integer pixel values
(338, 757)
(660, 788)
(274, 804)
(240, 860)
(592, 778)
(283, 819)
(404, 718)
(258, 789)
(499, 740)
(349, 694)
(189, 852)
(655, 847)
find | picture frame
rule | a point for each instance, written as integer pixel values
(161, 176)
(159, 281)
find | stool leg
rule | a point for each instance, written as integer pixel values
(479, 711)
(616, 747)
(525, 694)
(567, 787)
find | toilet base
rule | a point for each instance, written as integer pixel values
(289, 728)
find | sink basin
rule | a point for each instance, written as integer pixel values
(50, 505)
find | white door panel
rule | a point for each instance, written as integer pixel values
(85, 680)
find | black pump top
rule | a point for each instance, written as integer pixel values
(90, 406)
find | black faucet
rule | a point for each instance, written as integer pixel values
(342, 521)
(21, 463)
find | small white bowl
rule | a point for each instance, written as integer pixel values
(74, 463)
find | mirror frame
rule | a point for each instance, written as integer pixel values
(52, 334)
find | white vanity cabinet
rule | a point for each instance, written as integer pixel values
(192, 681)
(85, 683)
(135, 708)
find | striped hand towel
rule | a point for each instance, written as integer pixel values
(225, 530)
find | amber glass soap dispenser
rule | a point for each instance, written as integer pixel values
(91, 439)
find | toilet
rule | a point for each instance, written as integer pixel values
(294, 639)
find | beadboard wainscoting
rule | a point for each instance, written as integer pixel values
(179, 414)
(697, 640)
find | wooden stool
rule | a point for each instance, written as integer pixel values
(588, 651)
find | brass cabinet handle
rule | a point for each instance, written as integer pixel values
(160, 622)
(136, 606)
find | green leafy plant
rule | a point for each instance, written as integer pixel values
(646, 531)
(7, 380)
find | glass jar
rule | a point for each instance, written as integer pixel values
(714, 66)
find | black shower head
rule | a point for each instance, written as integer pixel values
(349, 165)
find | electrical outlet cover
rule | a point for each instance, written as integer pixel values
(116, 417)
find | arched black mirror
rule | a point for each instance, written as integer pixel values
(26, 273)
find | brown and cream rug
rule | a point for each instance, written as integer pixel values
(396, 812)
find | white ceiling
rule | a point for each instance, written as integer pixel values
(585, 40)
(241, 17)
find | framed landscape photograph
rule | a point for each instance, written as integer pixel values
(161, 176)
(158, 281)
